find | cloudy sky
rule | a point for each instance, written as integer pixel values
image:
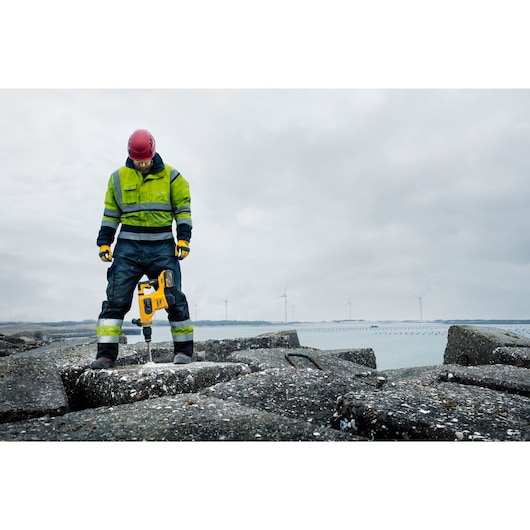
(352, 201)
(374, 197)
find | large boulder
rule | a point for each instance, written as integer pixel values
(185, 417)
(437, 403)
(473, 345)
(96, 388)
(342, 361)
(30, 389)
(218, 350)
(306, 394)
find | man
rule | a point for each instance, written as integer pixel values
(144, 196)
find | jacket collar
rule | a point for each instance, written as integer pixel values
(158, 164)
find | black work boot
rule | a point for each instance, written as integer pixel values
(106, 356)
(102, 363)
(182, 358)
(183, 352)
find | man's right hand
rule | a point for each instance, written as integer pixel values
(105, 254)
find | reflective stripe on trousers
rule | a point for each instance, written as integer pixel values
(108, 330)
(182, 331)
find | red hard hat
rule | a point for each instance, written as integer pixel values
(142, 145)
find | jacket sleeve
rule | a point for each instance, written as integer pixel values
(181, 203)
(111, 216)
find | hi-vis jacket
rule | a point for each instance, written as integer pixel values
(145, 205)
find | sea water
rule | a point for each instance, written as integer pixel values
(395, 344)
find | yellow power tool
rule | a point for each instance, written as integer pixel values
(149, 302)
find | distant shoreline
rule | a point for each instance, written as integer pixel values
(72, 329)
(69, 323)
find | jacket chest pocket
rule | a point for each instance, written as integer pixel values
(151, 191)
(130, 193)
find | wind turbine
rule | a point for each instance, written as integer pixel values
(349, 303)
(420, 300)
(226, 308)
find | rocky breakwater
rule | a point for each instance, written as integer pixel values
(20, 342)
(268, 388)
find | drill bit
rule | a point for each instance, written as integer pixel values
(149, 357)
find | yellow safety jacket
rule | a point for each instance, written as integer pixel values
(146, 205)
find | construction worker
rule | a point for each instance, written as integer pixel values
(144, 196)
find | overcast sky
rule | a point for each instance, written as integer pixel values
(352, 201)
(376, 197)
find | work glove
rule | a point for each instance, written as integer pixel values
(105, 254)
(183, 249)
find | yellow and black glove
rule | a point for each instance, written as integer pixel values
(105, 254)
(183, 249)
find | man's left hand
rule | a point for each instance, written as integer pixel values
(183, 249)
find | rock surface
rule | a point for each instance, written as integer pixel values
(268, 388)
(96, 388)
(40, 391)
(439, 403)
(472, 345)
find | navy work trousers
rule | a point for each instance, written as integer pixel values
(131, 261)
